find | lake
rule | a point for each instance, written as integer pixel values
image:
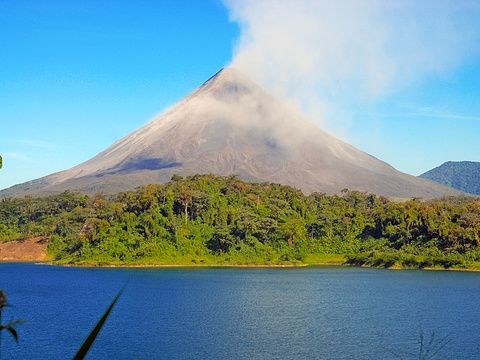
(215, 313)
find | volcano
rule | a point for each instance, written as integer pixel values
(231, 126)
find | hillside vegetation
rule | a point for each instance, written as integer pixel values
(222, 220)
(460, 175)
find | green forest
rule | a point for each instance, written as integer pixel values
(214, 220)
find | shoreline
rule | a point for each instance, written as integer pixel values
(234, 266)
(172, 266)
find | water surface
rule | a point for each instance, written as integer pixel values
(306, 313)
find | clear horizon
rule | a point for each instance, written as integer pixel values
(77, 77)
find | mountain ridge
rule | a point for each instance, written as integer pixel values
(461, 175)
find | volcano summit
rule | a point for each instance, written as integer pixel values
(231, 126)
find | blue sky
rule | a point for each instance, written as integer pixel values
(76, 76)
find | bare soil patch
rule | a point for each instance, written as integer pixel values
(31, 249)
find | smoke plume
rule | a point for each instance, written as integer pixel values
(322, 54)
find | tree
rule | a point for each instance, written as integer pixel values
(176, 178)
(185, 196)
(222, 241)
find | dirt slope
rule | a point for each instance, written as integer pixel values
(32, 249)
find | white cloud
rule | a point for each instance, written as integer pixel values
(14, 156)
(39, 144)
(431, 114)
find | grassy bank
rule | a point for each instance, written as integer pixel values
(379, 261)
(211, 261)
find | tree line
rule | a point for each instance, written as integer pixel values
(206, 219)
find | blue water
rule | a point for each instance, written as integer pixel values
(314, 313)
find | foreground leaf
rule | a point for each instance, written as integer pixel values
(82, 353)
(14, 333)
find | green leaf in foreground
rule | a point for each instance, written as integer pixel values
(82, 353)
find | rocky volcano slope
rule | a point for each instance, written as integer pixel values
(228, 126)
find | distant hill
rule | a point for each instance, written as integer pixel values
(461, 175)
